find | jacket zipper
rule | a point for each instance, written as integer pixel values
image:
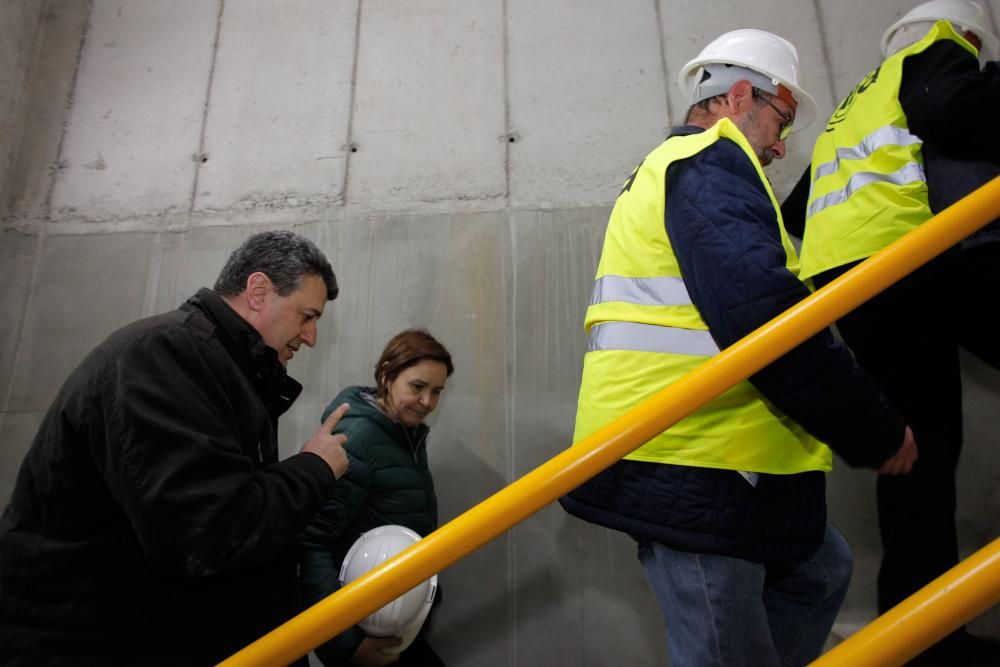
(409, 441)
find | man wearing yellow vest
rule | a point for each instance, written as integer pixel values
(868, 186)
(728, 506)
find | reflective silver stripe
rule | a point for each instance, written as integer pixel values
(909, 173)
(650, 338)
(888, 135)
(657, 291)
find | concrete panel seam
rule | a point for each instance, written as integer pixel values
(153, 277)
(508, 131)
(60, 164)
(350, 147)
(657, 5)
(199, 158)
(825, 49)
(511, 391)
(21, 111)
(22, 330)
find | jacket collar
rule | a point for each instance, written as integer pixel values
(685, 130)
(363, 405)
(245, 345)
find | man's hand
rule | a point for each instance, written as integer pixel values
(902, 461)
(369, 653)
(328, 446)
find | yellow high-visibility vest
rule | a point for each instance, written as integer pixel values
(868, 186)
(645, 334)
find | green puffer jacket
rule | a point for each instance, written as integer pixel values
(388, 482)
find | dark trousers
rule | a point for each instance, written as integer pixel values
(979, 316)
(907, 339)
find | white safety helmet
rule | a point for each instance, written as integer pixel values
(404, 616)
(964, 15)
(764, 59)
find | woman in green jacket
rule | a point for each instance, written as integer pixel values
(388, 482)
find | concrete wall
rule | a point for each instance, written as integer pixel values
(457, 160)
(19, 23)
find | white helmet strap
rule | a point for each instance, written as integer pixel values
(717, 78)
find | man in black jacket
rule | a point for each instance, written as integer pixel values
(908, 336)
(949, 179)
(151, 521)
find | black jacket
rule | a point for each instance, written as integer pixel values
(151, 521)
(950, 178)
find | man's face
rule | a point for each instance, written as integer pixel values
(286, 322)
(762, 127)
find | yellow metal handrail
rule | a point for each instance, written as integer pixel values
(583, 460)
(957, 596)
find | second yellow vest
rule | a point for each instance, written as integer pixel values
(868, 186)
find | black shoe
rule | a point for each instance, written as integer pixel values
(960, 649)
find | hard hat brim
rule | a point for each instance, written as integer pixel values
(991, 44)
(403, 616)
(805, 112)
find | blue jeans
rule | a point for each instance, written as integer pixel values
(722, 611)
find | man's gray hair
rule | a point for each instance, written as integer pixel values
(284, 257)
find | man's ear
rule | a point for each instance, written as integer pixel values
(740, 97)
(258, 287)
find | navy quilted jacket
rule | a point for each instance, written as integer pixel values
(723, 230)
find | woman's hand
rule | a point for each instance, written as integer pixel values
(370, 654)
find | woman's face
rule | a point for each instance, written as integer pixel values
(415, 392)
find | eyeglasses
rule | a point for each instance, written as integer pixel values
(785, 128)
